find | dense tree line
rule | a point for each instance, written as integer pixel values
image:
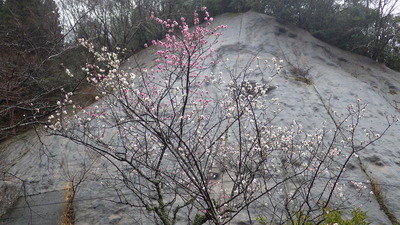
(32, 57)
(29, 36)
(367, 27)
(37, 38)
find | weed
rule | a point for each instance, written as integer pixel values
(301, 74)
(328, 216)
(233, 14)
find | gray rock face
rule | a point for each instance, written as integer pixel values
(11, 190)
(317, 80)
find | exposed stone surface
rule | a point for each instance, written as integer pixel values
(10, 189)
(336, 78)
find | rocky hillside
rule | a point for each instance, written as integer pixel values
(317, 82)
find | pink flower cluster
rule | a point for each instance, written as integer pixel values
(188, 48)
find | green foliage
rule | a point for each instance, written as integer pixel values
(392, 59)
(263, 220)
(200, 219)
(217, 7)
(327, 217)
(358, 218)
(348, 29)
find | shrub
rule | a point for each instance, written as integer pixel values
(327, 217)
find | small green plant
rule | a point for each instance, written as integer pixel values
(358, 218)
(233, 14)
(301, 74)
(328, 217)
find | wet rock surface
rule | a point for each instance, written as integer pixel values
(37, 168)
